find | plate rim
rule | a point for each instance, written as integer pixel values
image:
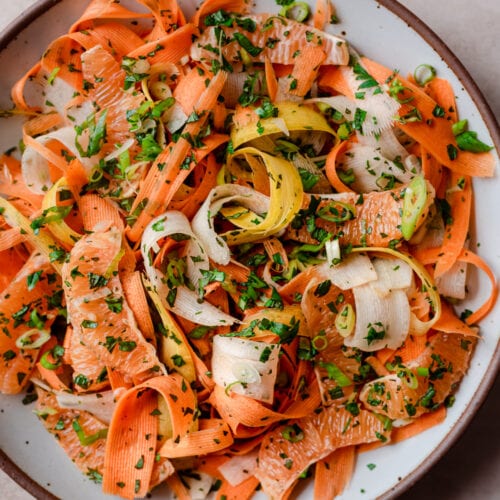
(15, 27)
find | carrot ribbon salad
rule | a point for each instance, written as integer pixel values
(233, 249)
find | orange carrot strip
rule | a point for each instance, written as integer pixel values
(17, 92)
(456, 232)
(10, 238)
(136, 298)
(431, 255)
(321, 17)
(413, 346)
(77, 177)
(96, 210)
(306, 68)
(437, 137)
(297, 284)
(271, 80)
(487, 306)
(377, 366)
(192, 203)
(334, 472)
(127, 445)
(117, 379)
(213, 435)
(210, 6)
(171, 48)
(52, 378)
(448, 322)
(167, 14)
(103, 9)
(442, 92)
(12, 260)
(431, 169)
(242, 491)
(421, 424)
(333, 79)
(330, 168)
(116, 38)
(384, 354)
(211, 463)
(172, 175)
(246, 446)
(190, 87)
(133, 432)
(178, 487)
(238, 410)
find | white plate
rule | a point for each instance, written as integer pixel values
(376, 31)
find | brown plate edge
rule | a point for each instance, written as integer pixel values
(23, 20)
(27, 17)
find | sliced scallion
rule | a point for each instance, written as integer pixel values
(298, 11)
(92, 438)
(468, 141)
(335, 373)
(320, 342)
(459, 127)
(337, 211)
(33, 339)
(415, 198)
(345, 320)
(408, 377)
(56, 354)
(424, 74)
(423, 371)
(293, 433)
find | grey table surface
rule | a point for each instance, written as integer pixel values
(471, 468)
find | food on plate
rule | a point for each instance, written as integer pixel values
(234, 247)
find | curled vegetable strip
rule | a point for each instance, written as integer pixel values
(180, 299)
(417, 326)
(239, 467)
(290, 117)
(372, 110)
(382, 320)
(285, 200)
(132, 419)
(386, 143)
(59, 228)
(101, 405)
(372, 171)
(25, 341)
(280, 208)
(35, 167)
(356, 270)
(245, 366)
(42, 241)
(392, 274)
(202, 222)
(173, 345)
